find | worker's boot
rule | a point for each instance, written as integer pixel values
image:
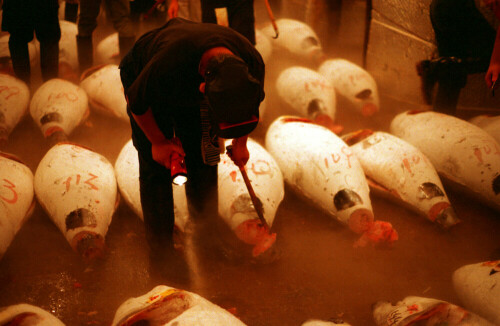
(20, 57)
(125, 44)
(450, 73)
(85, 52)
(49, 59)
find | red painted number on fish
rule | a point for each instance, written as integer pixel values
(317, 84)
(487, 149)
(77, 181)
(72, 97)
(7, 91)
(336, 157)
(261, 167)
(9, 185)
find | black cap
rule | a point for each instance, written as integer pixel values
(234, 96)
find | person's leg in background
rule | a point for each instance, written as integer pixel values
(87, 23)
(242, 19)
(71, 11)
(48, 33)
(464, 41)
(19, 53)
(119, 13)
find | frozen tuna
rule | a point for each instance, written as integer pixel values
(168, 306)
(127, 176)
(478, 288)
(460, 151)
(58, 107)
(396, 167)
(263, 45)
(77, 189)
(14, 101)
(107, 51)
(310, 94)
(16, 198)
(318, 165)
(353, 83)
(68, 57)
(414, 310)
(24, 314)
(489, 123)
(296, 38)
(237, 208)
(105, 91)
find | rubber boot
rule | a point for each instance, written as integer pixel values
(125, 44)
(452, 77)
(49, 59)
(20, 57)
(85, 52)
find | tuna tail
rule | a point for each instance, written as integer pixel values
(444, 215)
(89, 245)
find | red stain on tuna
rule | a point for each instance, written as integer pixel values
(478, 154)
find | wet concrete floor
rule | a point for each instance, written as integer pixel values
(319, 274)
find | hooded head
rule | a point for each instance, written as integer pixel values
(234, 96)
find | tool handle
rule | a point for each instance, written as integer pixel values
(257, 204)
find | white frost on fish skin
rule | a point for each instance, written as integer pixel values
(62, 98)
(353, 83)
(478, 288)
(299, 86)
(459, 150)
(173, 307)
(33, 315)
(105, 92)
(16, 198)
(70, 177)
(317, 164)
(427, 310)
(400, 167)
(14, 102)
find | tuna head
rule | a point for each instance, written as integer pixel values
(316, 110)
(249, 229)
(441, 212)
(88, 244)
(51, 124)
(369, 108)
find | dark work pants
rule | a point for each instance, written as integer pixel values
(156, 186)
(45, 24)
(462, 32)
(240, 15)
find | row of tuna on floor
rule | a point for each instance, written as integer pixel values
(78, 189)
(172, 306)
